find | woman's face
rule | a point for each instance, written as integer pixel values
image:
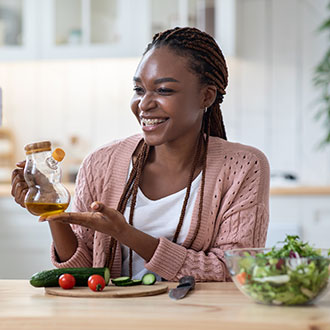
(167, 99)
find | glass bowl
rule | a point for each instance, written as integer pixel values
(293, 280)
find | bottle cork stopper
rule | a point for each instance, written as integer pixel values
(58, 154)
(37, 147)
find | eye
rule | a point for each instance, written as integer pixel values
(165, 91)
(138, 90)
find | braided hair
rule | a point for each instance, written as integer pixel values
(205, 59)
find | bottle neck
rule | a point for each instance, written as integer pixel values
(52, 163)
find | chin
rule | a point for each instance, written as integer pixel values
(153, 141)
(150, 141)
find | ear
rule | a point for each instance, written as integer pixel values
(208, 96)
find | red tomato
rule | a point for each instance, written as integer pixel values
(67, 281)
(241, 278)
(96, 282)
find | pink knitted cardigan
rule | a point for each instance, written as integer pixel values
(234, 215)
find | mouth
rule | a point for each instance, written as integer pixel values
(152, 122)
(149, 124)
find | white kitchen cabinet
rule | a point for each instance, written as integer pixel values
(103, 28)
(65, 29)
(86, 28)
(307, 216)
(18, 29)
(316, 220)
(24, 242)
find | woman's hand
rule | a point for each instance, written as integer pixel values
(111, 222)
(19, 186)
(38, 179)
(102, 219)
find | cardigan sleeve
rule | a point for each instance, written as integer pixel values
(172, 261)
(83, 257)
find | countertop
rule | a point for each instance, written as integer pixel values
(5, 189)
(209, 306)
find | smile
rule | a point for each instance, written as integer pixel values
(152, 122)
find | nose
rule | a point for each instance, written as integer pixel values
(147, 102)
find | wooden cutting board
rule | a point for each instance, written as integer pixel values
(110, 291)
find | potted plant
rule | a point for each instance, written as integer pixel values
(322, 82)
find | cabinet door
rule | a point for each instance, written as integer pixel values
(85, 28)
(285, 218)
(172, 13)
(24, 243)
(316, 221)
(18, 24)
(306, 216)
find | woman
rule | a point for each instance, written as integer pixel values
(173, 199)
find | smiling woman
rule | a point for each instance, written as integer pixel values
(172, 199)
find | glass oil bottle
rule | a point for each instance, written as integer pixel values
(42, 172)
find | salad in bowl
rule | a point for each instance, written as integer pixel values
(294, 274)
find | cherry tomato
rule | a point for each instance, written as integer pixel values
(67, 281)
(96, 282)
(241, 277)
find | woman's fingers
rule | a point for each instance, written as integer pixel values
(113, 219)
(93, 220)
(16, 179)
(107, 211)
(102, 218)
(17, 172)
(19, 190)
(86, 219)
(20, 198)
(21, 164)
(19, 186)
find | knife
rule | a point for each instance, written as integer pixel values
(186, 283)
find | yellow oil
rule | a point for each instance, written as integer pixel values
(44, 209)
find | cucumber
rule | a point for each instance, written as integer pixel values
(148, 279)
(125, 281)
(50, 277)
(121, 281)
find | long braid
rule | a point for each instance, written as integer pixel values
(141, 162)
(206, 60)
(183, 210)
(130, 188)
(206, 124)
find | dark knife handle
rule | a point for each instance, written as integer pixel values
(187, 280)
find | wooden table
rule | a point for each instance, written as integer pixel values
(209, 306)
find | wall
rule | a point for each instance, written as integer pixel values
(270, 101)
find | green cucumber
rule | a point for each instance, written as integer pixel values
(129, 283)
(50, 277)
(148, 279)
(125, 281)
(121, 281)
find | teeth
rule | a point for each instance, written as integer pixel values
(150, 122)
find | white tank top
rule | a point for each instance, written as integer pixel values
(158, 218)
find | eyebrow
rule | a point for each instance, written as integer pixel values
(159, 80)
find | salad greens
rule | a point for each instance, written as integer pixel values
(291, 275)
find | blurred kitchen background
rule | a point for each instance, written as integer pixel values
(66, 69)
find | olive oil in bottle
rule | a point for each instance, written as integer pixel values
(44, 209)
